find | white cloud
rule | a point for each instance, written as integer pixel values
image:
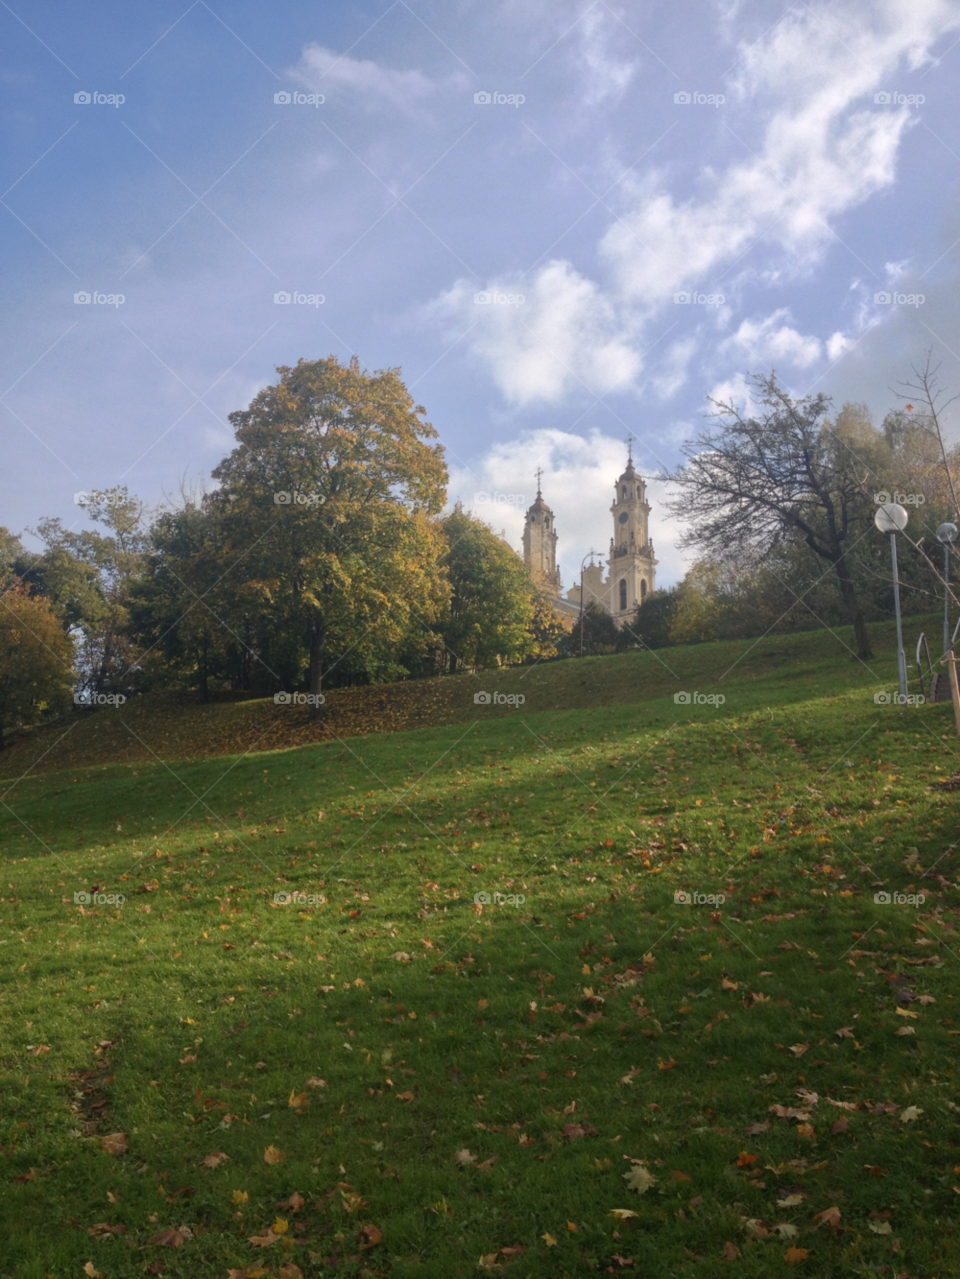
(579, 476)
(563, 335)
(771, 341)
(824, 148)
(323, 69)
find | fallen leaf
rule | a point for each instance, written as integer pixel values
(754, 1130)
(829, 1217)
(906, 1012)
(799, 1049)
(273, 1156)
(880, 1227)
(573, 1132)
(794, 1256)
(571, 1227)
(188, 1060)
(297, 1101)
(807, 1132)
(370, 1236)
(875, 1169)
(666, 1065)
(841, 1125)
(114, 1143)
(754, 1228)
(405, 1096)
(487, 1164)
(402, 957)
(621, 1214)
(726, 984)
(845, 1032)
(639, 1179)
(293, 1204)
(316, 1083)
(91, 1270)
(549, 1240)
(731, 1251)
(785, 1230)
(791, 1201)
(680, 1176)
(910, 1114)
(288, 1271)
(214, 1160)
(101, 1230)
(926, 999)
(488, 1262)
(266, 1240)
(39, 1050)
(744, 1160)
(170, 1238)
(905, 1030)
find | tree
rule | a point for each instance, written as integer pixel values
(490, 613)
(327, 506)
(36, 671)
(652, 620)
(86, 578)
(786, 474)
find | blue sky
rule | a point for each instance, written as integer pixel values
(815, 165)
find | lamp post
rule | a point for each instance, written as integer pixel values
(589, 556)
(947, 535)
(892, 518)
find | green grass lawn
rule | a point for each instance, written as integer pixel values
(390, 1077)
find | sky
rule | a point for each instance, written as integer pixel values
(565, 223)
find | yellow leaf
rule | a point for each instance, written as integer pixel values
(240, 1196)
(273, 1156)
(621, 1214)
(571, 1226)
(298, 1100)
(905, 1012)
(910, 1114)
(880, 1227)
(549, 1240)
(639, 1179)
(280, 1226)
(793, 1256)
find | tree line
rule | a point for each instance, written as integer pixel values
(323, 556)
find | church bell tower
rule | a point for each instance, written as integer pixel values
(631, 563)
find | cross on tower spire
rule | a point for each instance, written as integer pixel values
(539, 474)
(629, 443)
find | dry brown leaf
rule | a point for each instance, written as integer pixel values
(214, 1160)
(91, 1270)
(464, 1157)
(273, 1156)
(744, 1160)
(405, 1096)
(171, 1238)
(799, 1049)
(289, 1271)
(316, 1083)
(794, 1256)
(487, 1164)
(101, 1230)
(754, 1228)
(639, 1179)
(370, 1236)
(297, 1101)
(905, 1030)
(39, 1050)
(266, 1240)
(754, 1130)
(841, 1125)
(188, 1060)
(726, 984)
(845, 1032)
(791, 1201)
(807, 1132)
(115, 1143)
(731, 1251)
(829, 1217)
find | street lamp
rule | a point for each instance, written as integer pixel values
(589, 556)
(892, 518)
(947, 534)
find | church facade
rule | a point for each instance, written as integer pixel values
(630, 567)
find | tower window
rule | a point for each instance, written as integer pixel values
(623, 595)
(624, 492)
(643, 589)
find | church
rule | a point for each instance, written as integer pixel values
(631, 564)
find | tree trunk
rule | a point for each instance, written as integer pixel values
(317, 653)
(864, 651)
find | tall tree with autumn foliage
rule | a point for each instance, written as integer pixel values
(36, 659)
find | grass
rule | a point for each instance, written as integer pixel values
(492, 1073)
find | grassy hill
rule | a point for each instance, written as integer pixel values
(392, 1074)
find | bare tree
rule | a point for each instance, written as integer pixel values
(925, 388)
(787, 473)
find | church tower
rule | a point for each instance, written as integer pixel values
(540, 544)
(631, 564)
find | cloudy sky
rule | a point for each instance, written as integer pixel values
(505, 200)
